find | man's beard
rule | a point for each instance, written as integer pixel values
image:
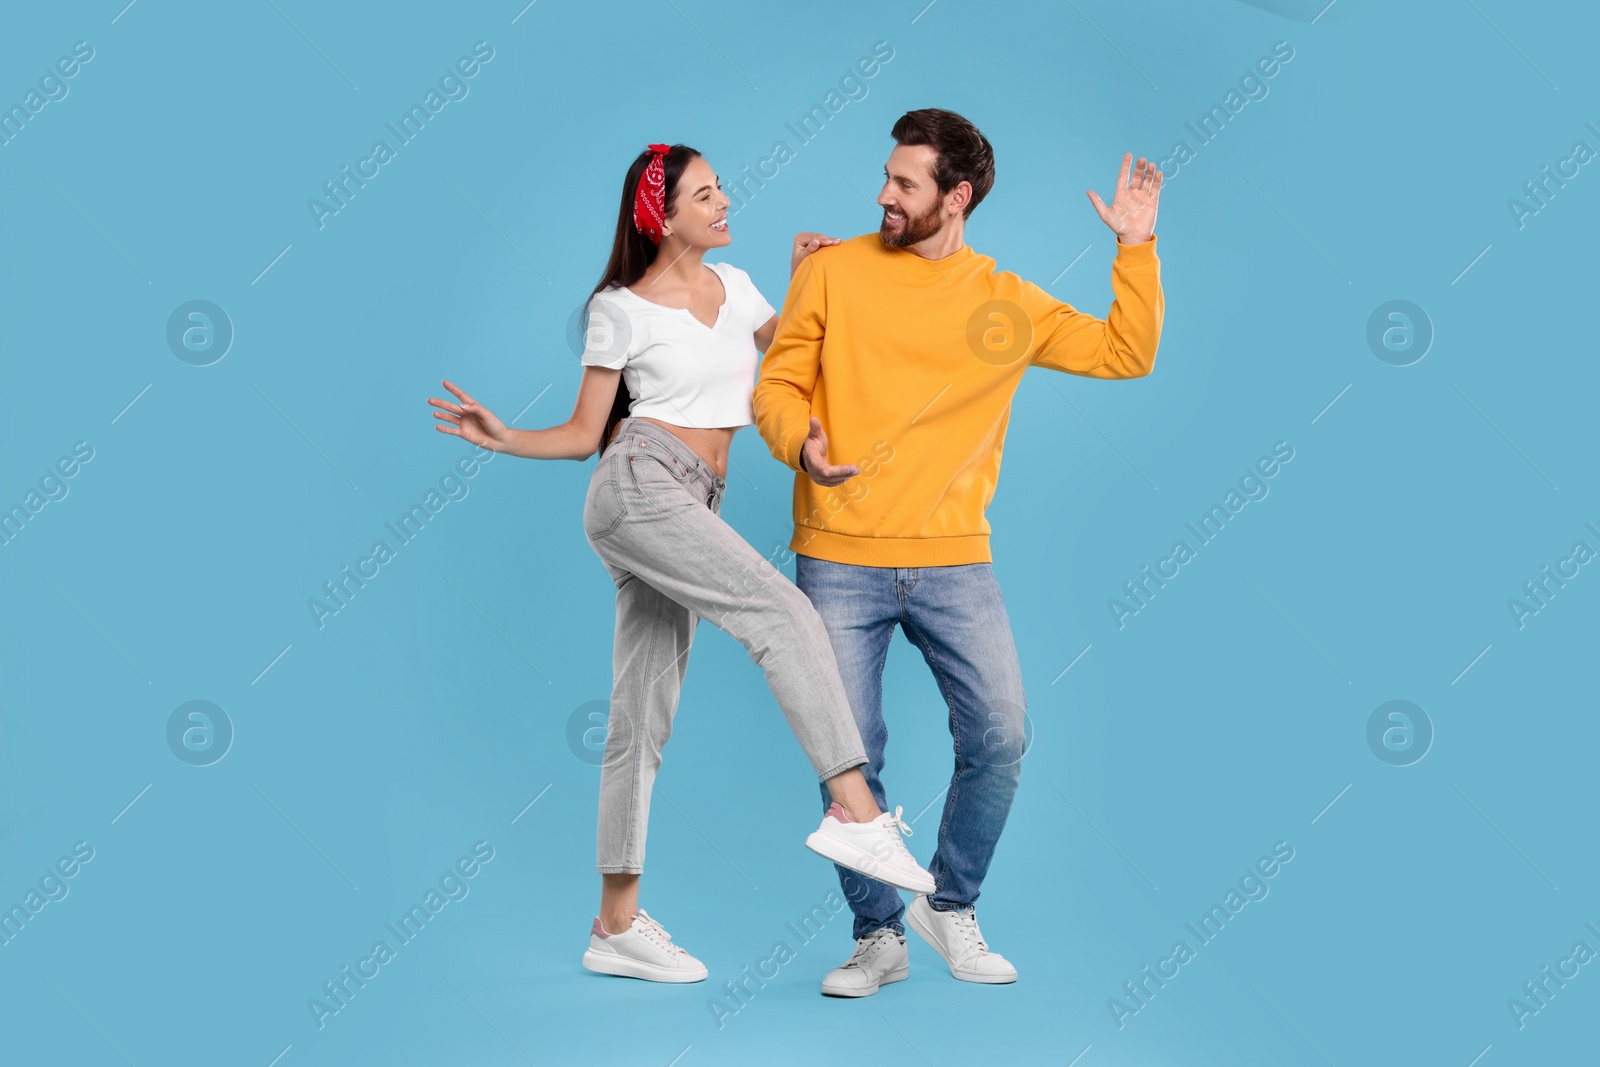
(913, 230)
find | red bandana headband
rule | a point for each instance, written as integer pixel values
(649, 198)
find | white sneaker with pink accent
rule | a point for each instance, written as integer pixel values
(644, 950)
(874, 848)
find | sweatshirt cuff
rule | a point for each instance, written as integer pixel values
(792, 449)
(1139, 253)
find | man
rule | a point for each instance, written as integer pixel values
(898, 353)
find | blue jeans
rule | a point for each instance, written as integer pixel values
(957, 619)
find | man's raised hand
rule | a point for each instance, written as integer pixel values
(1132, 214)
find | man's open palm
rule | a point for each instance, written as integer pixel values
(814, 454)
(1132, 214)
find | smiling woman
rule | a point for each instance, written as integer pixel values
(667, 295)
(672, 347)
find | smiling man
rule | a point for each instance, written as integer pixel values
(902, 349)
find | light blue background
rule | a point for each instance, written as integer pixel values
(426, 715)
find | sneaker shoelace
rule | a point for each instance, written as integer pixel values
(894, 828)
(966, 924)
(869, 946)
(653, 930)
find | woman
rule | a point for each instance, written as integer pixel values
(669, 366)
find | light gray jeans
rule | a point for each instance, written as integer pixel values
(652, 514)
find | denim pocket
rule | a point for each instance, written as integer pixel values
(652, 464)
(603, 511)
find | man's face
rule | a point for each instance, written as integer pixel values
(913, 210)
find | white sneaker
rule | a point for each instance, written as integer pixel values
(954, 935)
(643, 950)
(871, 848)
(879, 958)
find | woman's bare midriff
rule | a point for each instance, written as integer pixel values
(710, 445)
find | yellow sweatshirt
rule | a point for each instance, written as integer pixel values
(910, 365)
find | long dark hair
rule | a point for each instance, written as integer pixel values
(632, 252)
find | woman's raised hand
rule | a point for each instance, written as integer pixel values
(470, 421)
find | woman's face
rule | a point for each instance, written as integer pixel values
(700, 211)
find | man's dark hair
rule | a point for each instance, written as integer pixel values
(964, 154)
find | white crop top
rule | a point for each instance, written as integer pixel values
(677, 368)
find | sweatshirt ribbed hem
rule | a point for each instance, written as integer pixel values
(891, 551)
